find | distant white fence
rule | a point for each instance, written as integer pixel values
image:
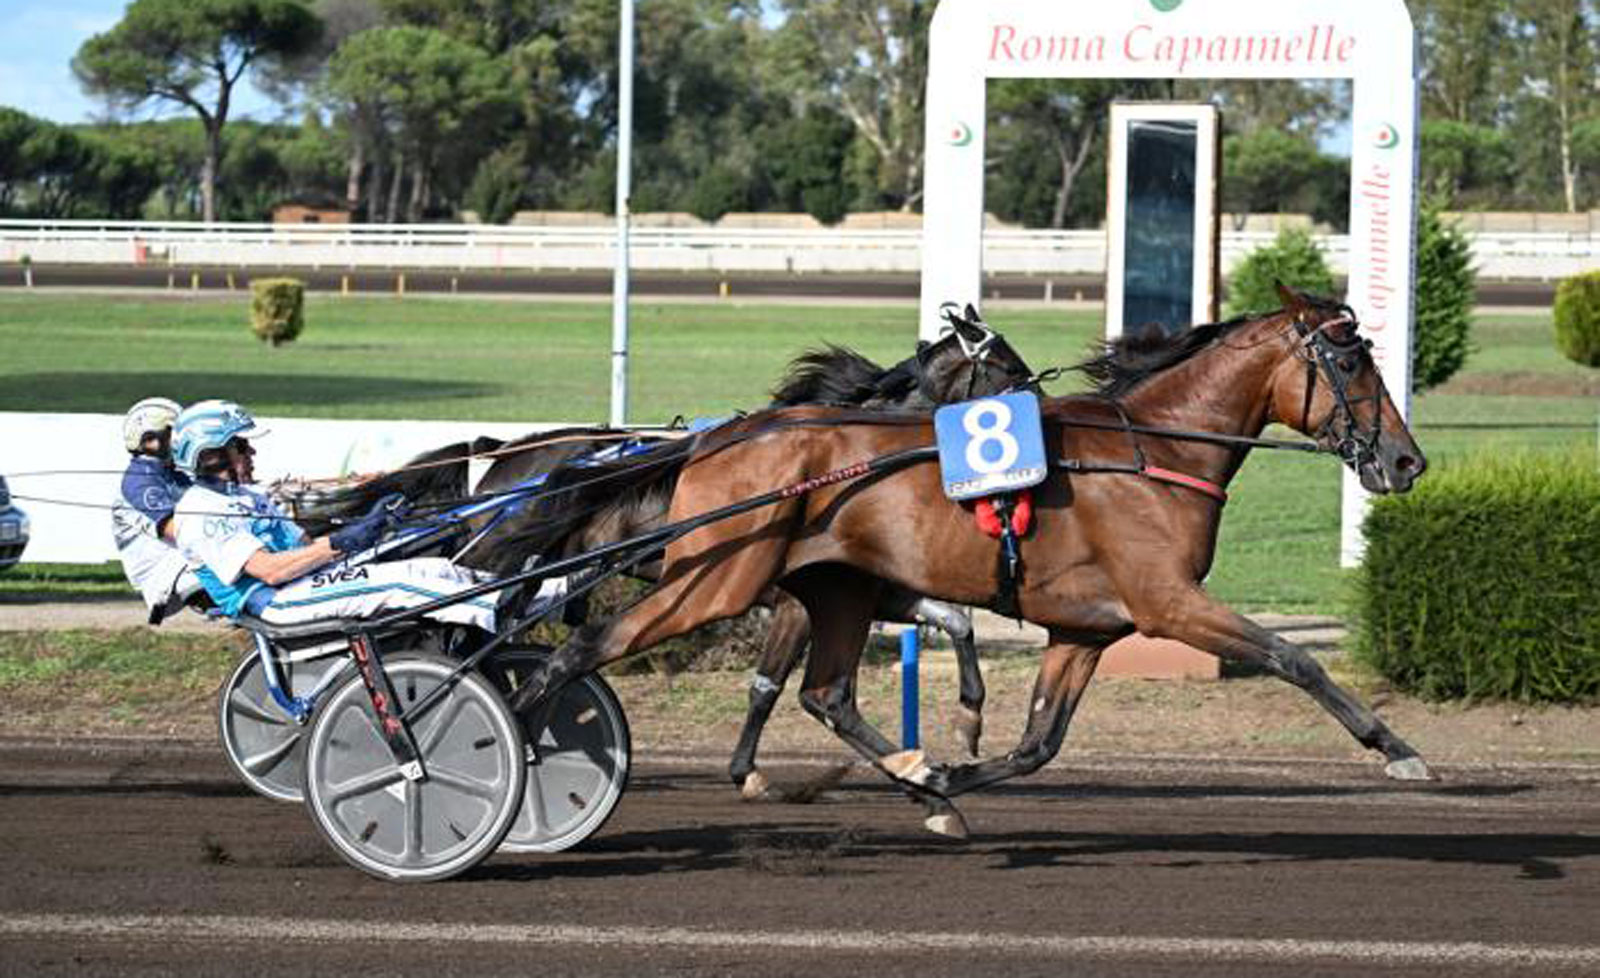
(64, 469)
(1507, 255)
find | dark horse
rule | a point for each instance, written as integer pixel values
(1124, 534)
(969, 360)
(578, 510)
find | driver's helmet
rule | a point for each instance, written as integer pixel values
(150, 416)
(206, 425)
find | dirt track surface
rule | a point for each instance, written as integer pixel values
(147, 858)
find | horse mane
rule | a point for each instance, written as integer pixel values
(1125, 361)
(832, 375)
(437, 474)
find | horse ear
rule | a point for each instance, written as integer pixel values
(1292, 301)
(973, 316)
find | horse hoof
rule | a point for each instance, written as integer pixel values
(908, 765)
(969, 727)
(1411, 768)
(755, 786)
(948, 824)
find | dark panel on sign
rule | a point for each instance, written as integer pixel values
(1158, 257)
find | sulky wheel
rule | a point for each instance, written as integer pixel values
(262, 741)
(413, 831)
(579, 771)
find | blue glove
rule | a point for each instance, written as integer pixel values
(365, 532)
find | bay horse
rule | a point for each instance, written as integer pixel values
(969, 360)
(1124, 533)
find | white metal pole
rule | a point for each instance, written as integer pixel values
(619, 284)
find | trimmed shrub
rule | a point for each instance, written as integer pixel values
(1293, 258)
(1446, 289)
(1577, 316)
(1482, 582)
(277, 309)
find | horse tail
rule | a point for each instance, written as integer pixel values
(834, 375)
(439, 475)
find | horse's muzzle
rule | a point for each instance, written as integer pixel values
(1392, 469)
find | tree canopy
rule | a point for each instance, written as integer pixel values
(420, 109)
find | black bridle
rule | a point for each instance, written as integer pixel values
(978, 352)
(1339, 357)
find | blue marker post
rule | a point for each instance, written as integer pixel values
(910, 646)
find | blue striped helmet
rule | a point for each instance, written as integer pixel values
(205, 425)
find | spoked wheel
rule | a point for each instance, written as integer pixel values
(579, 772)
(471, 750)
(262, 741)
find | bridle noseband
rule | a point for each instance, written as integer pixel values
(1339, 361)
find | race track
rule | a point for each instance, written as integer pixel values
(148, 859)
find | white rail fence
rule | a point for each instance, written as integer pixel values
(1501, 255)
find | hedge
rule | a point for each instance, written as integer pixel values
(277, 309)
(1577, 318)
(1484, 581)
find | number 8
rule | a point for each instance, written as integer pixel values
(983, 434)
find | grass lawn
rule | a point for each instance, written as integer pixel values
(368, 357)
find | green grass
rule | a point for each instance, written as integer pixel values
(450, 359)
(127, 660)
(367, 357)
(87, 580)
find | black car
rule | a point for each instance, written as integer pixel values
(13, 529)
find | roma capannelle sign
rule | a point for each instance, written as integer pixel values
(1370, 42)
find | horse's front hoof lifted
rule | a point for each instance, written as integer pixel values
(755, 787)
(949, 824)
(910, 766)
(1411, 768)
(969, 727)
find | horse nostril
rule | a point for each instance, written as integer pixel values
(1405, 463)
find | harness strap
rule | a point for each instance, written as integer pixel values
(1154, 472)
(1188, 481)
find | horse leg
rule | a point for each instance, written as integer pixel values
(786, 642)
(958, 625)
(840, 602)
(1205, 624)
(1064, 674)
(692, 595)
(899, 604)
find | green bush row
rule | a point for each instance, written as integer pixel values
(1484, 582)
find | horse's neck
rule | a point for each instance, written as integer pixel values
(1225, 389)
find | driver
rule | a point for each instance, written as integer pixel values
(141, 514)
(253, 559)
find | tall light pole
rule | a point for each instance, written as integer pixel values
(619, 281)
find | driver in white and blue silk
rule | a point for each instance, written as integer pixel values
(252, 558)
(141, 513)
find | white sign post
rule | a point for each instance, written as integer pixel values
(1370, 42)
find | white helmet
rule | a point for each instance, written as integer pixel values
(205, 425)
(150, 416)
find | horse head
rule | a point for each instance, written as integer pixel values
(1330, 389)
(969, 360)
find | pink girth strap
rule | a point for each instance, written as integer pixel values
(1188, 481)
